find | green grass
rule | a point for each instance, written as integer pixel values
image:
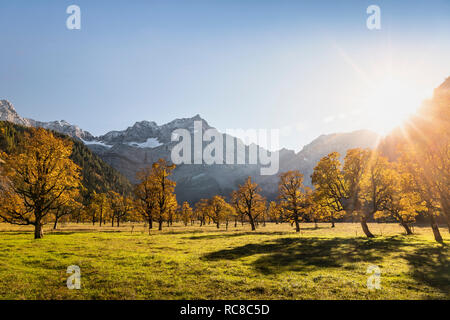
(205, 263)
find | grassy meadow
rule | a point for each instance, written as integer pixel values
(206, 263)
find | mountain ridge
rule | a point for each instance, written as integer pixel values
(145, 142)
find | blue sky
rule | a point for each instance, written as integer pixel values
(304, 67)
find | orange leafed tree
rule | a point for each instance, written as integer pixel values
(274, 212)
(145, 192)
(186, 213)
(247, 201)
(201, 211)
(218, 210)
(422, 149)
(386, 193)
(339, 187)
(165, 199)
(121, 207)
(99, 206)
(37, 179)
(295, 199)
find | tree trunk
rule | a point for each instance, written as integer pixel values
(407, 228)
(38, 234)
(150, 223)
(435, 228)
(332, 222)
(235, 223)
(252, 222)
(365, 228)
(160, 224)
(218, 225)
(56, 223)
(297, 225)
(405, 225)
(118, 221)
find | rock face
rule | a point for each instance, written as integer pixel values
(9, 113)
(145, 142)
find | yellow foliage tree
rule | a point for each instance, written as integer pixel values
(186, 213)
(384, 192)
(295, 199)
(37, 179)
(69, 204)
(275, 212)
(145, 192)
(420, 183)
(121, 207)
(247, 201)
(100, 205)
(219, 210)
(339, 188)
(165, 199)
(201, 210)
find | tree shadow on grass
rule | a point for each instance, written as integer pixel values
(303, 254)
(232, 235)
(430, 265)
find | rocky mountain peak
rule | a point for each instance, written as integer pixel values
(6, 106)
(145, 142)
(9, 113)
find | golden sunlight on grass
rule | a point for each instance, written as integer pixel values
(205, 263)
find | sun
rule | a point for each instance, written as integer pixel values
(390, 102)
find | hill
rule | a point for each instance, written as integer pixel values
(97, 175)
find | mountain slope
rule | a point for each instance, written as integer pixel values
(145, 142)
(9, 113)
(97, 175)
(123, 150)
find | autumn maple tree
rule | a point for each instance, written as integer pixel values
(100, 205)
(385, 192)
(186, 213)
(295, 199)
(339, 187)
(274, 212)
(37, 179)
(218, 210)
(248, 201)
(165, 199)
(145, 192)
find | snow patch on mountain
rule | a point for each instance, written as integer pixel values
(95, 142)
(150, 143)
